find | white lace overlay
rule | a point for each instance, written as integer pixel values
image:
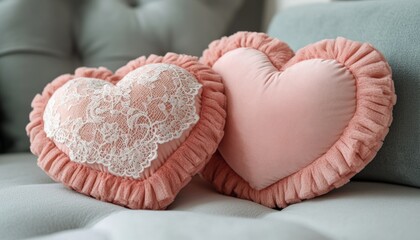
(120, 126)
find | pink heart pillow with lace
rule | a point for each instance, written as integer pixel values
(133, 138)
(298, 125)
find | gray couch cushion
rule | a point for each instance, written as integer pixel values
(43, 39)
(35, 46)
(33, 205)
(393, 28)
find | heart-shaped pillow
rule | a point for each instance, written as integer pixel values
(297, 125)
(133, 138)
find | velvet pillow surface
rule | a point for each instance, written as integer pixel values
(298, 125)
(133, 138)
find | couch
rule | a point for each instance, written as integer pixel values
(42, 39)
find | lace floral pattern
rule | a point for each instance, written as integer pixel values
(121, 126)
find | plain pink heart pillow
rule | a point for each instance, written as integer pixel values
(297, 125)
(133, 138)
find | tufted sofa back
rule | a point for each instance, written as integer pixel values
(42, 39)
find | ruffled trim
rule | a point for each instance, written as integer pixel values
(277, 51)
(158, 190)
(357, 146)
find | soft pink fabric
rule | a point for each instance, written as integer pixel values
(279, 122)
(159, 189)
(315, 170)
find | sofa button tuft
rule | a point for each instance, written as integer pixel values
(133, 3)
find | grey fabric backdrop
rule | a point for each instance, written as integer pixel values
(393, 27)
(42, 39)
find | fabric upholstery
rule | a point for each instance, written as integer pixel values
(32, 205)
(393, 28)
(43, 39)
(35, 207)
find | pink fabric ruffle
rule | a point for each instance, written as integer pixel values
(158, 190)
(357, 146)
